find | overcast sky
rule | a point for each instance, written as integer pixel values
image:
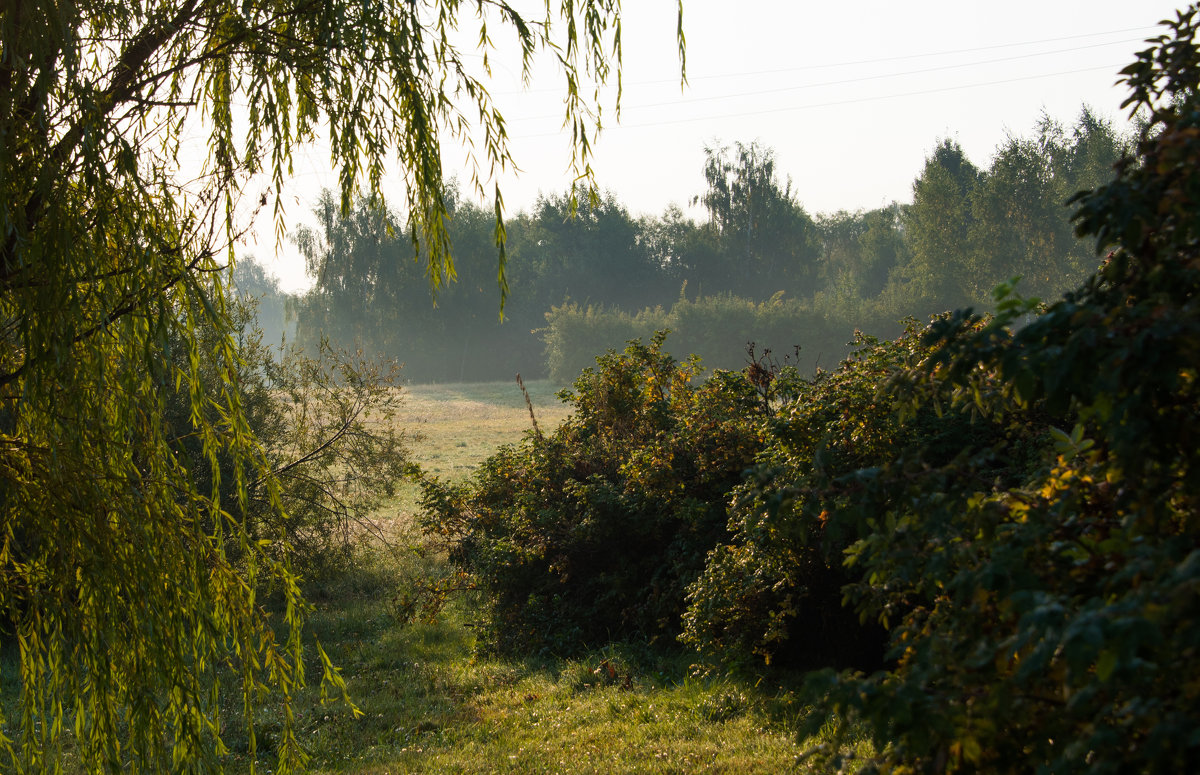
(852, 96)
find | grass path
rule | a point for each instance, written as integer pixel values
(431, 703)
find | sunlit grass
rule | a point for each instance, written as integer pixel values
(464, 423)
(430, 703)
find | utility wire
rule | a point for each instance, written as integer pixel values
(842, 82)
(833, 103)
(856, 62)
(949, 52)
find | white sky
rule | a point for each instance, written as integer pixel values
(852, 96)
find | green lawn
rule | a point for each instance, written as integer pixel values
(464, 423)
(429, 703)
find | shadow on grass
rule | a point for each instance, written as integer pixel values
(431, 702)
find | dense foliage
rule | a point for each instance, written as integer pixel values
(118, 580)
(775, 589)
(593, 532)
(326, 427)
(1050, 623)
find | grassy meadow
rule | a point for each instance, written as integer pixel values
(429, 701)
(463, 423)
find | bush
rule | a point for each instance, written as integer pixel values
(774, 591)
(1051, 624)
(327, 433)
(594, 532)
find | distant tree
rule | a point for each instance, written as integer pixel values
(370, 294)
(250, 282)
(1019, 224)
(677, 246)
(766, 241)
(365, 277)
(841, 252)
(859, 250)
(883, 248)
(1093, 153)
(1020, 220)
(937, 229)
(468, 335)
(592, 255)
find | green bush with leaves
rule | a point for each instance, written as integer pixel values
(594, 532)
(774, 591)
(1051, 625)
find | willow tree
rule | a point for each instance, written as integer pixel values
(119, 603)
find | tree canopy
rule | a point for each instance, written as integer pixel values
(119, 592)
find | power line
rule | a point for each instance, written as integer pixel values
(857, 62)
(841, 82)
(834, 103)
(949, 52)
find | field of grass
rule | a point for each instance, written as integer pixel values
(431, 704)
(464, 423)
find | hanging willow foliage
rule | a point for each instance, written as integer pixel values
(120, 601)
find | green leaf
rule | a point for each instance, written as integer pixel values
(1106, 663)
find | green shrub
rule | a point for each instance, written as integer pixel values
(326, 429)
(1051, 624)
(594, 532)
(775, 590)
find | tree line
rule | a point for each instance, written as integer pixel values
(585, 275)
